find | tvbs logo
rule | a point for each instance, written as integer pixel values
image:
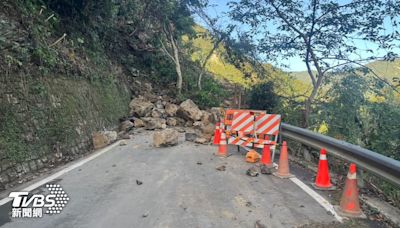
(31, 206)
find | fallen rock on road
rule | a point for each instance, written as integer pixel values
(221, 168)
(190, 136)
(189, 111)
(265, 170)
(140, 107)
(103, 138)
(164, 138)
(253, 172)
(154, 123)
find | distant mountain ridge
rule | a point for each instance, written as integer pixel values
(385, 69)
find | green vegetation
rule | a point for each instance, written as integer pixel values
(262, 97)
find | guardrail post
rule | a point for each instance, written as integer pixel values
(360, 178)
(306, 153)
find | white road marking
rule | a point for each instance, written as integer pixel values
(321, 200)
(61, 172)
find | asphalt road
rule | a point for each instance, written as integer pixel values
(176, 192)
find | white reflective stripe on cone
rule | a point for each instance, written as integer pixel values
(352, 176)
(322, 157)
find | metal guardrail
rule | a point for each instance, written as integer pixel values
(376, 163)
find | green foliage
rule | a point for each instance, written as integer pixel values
(211, 95)
(353, 117)
(329, 26)
(222, 65)
(10, 135)
(262, 97)
(45, 56)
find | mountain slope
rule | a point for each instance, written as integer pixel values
(384, 69)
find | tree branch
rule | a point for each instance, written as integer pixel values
(166, 51)
(288, 23)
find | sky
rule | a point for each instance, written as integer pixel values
(220, 8)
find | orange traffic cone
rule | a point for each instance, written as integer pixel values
(323, 181)
(217, 134)
(349, 204)
(223, 147)
(266, 157)
(283, 168)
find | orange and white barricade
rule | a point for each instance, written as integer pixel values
(254, 129)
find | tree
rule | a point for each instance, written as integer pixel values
(321, 32)
(262, 97)
(173, 54)
(175, 20)
(218, 34)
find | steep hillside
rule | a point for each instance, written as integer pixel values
(243, 75)
(220, 67)
(302, 76)
(69, 69)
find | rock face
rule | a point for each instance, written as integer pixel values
(140, 107)
(103, 138)
(164, 138)
(171, 109)
(188, 110)
(154, 123)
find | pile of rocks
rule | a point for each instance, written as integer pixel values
(161, 113)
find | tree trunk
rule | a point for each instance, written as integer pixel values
(177, 65)
(308, 103)
(200, 78)
(203, 66)
(240, 99)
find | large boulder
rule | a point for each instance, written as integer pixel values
(126, 125)
(103, 138)
(171, 109)
(197, 137)
(204, 128)
(140, 107)
(207, 117)
(190, 136)
(164, 138)
(189, 111)
(139, 123)
(154, 123)
(111, 135)
(207, 129)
